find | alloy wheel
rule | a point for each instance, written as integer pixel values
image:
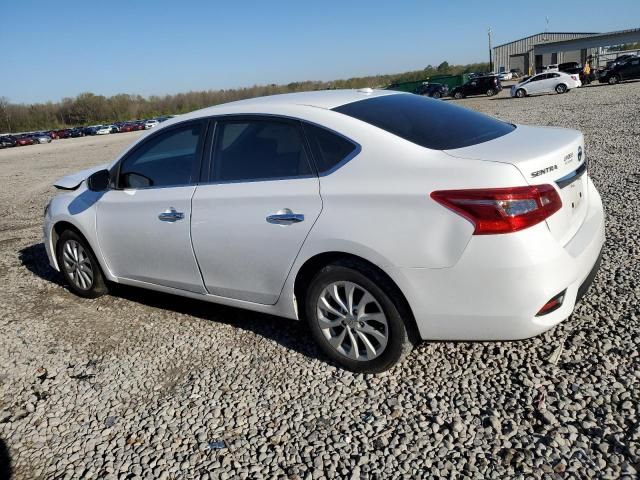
(352, 321)
(77, 264)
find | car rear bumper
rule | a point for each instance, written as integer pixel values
(502, 281)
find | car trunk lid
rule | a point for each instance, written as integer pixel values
(544, 155)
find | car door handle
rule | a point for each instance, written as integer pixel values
(285, 217)
(171, 215)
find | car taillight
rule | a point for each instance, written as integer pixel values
(502, 210)
(573, 77)
(552, 305)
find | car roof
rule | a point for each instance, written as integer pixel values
(327, 99)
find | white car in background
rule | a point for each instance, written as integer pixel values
(103, 130)
(378, 217)
(505, 76)
(548, 82)
(150, 124)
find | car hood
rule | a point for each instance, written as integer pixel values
(73, 181)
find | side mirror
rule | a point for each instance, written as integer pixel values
(99, 181)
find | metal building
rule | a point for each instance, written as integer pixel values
(520, 53)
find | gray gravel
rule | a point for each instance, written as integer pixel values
(141, 385)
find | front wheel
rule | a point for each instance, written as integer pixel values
(458, 95)
(520, 93)
(613, 79)
(79, 266)
(357, 317)
(562, 88)
(436, 95)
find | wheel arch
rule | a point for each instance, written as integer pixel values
(60, 226)
(314, 264)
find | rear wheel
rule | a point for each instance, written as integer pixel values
(436, 95)
(357, 318)
(520, 93)
(562, 88)
(613, 79)
(79, 266)
(458, 95)
(491, 92)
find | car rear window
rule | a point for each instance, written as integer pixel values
(427, 122)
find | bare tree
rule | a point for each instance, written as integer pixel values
(4, 108)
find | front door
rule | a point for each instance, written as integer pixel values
(143, 223)
(249, 223)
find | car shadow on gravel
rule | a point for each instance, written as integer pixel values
(5, 462)
(288, 333)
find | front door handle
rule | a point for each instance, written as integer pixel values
(171, 215)
(285, 217)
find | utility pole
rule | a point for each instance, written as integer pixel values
(490, 52)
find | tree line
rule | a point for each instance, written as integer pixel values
(88, 108)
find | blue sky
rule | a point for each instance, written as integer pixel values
(52, 50)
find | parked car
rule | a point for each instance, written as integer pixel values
(567, 65)
(114, 128)
(151, 123)
(90, 130)
(64, 133)
(7, 141)
(516, 73)
(76, 132)
(557, 82)
(41, 137)
(433, 90)
(22, 140)
(127, 127)
(579, 71)
(103, 130)
(139, 125)
(488, 231)
(619, 59)
(505, 76)
(551, 68)
(488, 85)
(628, 69)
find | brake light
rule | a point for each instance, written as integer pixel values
(552, 305)
(502, 210)
(573, 77)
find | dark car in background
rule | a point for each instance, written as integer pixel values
(7, 141)
(433, 90)
(487, 85)
(89, 130)
(628, 69)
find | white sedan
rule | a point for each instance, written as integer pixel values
(103, 130)
(150, 124)
(378, 217)
(549, 82)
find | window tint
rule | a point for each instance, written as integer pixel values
(329, 149)
(167, 159)
(427, 122)
(259, 150)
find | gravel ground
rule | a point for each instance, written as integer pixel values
(142, 385)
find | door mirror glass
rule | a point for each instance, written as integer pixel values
(99, 181)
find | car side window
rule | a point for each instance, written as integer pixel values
(555, 75)
(329, 149)
(259, 149)
(635, 62)
(169, 158)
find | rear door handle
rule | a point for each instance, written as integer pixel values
(285, 217)
(171, 215)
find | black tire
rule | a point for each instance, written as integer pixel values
(491, 92)
(401, 335)
(562, 88)
(458, 95)
(437, 95)
(614, 79)
(521, 93)
(98, 285)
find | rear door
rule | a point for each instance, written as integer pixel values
(633, 68)
(261, 200)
